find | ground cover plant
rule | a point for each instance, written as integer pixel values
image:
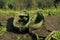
(55, 35)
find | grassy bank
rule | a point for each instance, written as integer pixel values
(43, 11)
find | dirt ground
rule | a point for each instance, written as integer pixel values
(51, 23)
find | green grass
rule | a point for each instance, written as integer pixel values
(2, 30)
(55, 35)
(8, 12)
(43, 11)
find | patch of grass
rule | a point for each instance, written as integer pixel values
(43, 11)
(55, 35)
(2, 30)
(8, 12)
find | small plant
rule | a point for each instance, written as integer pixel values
(2, 30)
(55, 35)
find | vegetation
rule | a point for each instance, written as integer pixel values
(28, 4)
(45, 12)
(55, 35)
(2, 30)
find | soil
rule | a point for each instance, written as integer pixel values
(51, 23)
